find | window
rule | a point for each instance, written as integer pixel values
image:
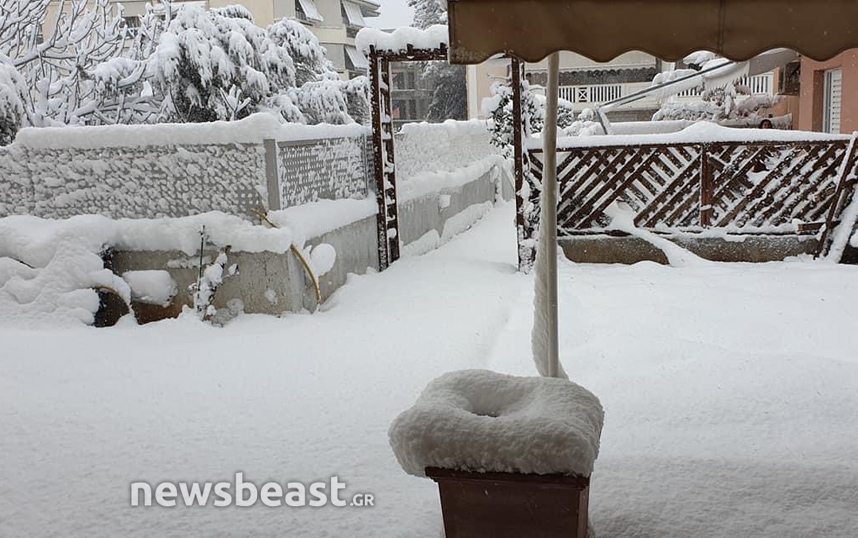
(352, 14)
(789, 80)
(306, 10)
(131, 25)
(357, 58)
(831, 108)
(404, 109)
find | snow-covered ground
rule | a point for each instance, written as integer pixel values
(730, 392)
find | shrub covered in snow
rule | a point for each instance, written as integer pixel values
(718, 104)
(212, 66)
(218, 65)
(12, 95)
(478, 420)
(500, 107)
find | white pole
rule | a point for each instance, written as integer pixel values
(548, 235)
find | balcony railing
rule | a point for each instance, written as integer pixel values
(585, 96)
(758, 84)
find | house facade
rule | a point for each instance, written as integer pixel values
(583, 82)
(828, 95)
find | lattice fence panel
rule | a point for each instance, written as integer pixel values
(766, 186)
(329, 168)
(751, 187)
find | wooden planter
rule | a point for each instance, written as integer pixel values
(513, 505)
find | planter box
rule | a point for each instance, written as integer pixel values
(501, 505)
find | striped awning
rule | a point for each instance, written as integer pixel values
(667, 29)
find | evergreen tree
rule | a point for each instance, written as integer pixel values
(12, 95)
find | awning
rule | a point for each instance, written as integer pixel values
(353, 13)
(311, 11)
(357, 58)
(667, 29)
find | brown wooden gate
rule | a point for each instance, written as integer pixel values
(383, 140)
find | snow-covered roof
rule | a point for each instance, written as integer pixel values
(398, 40)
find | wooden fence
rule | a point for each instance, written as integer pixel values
(743, 187)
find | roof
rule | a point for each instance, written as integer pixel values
(668, 29)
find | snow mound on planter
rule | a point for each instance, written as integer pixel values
(61, 292)
(151, 286)
(478, 420)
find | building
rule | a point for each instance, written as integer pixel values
(334, 22)
(821, 102)
(583, 82)
(410, 95)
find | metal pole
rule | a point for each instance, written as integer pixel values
(549, 212)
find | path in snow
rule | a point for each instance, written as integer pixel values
(731, 394)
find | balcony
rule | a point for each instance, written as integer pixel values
(758, 84)
(590, 95)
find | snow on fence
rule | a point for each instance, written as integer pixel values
(179, 170)
(741, 181)
(440, 147)
(237, 168)
(329, 168)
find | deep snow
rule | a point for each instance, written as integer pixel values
(730, 394)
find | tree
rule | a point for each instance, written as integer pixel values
(12, 95)
(450, 93)
(218, 65)
(500, 107)
(82, 71)
(731, 102)
(183, 64)
(211, 65)
(725, 101)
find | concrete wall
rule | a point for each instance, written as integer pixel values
(628, 250)
(356, 246)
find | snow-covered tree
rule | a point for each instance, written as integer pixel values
(211, 66)
(182, 64)
(731, 102)
(308, 55)
(12, 95)
(500, 107)
(218, 65)
(724, 100)
(78, 67)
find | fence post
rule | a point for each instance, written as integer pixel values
(706, 187)
(525, 255)
(378, 156)
(271, 176)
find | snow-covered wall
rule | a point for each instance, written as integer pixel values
(178, 170)
(423, 148)
(133, 182)
(328, 168)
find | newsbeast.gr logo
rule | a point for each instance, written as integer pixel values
(244, 493)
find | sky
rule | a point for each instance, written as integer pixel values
(393, 13)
